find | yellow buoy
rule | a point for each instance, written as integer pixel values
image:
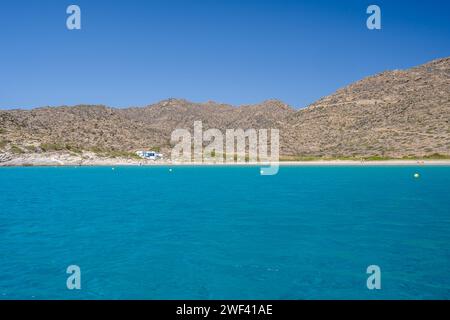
(416, 175)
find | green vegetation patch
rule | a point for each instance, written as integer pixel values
(120, 154)
(52, 147)
(15, 149)
(3, 143)
(47, 147)
(434, 156)
(437, 156)
(30, 148)
(108, 153)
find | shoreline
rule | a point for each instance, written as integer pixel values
(90, 159)
(318, 163)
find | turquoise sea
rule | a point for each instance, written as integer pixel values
(224, 232)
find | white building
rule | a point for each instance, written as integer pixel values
(149, 155)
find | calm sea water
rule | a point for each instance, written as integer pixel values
(228, 232)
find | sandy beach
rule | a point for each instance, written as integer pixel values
(91, 159)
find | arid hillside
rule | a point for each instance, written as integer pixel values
(395, 114)
(121, 131)
(401, 113)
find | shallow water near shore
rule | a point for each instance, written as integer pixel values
(224, 232)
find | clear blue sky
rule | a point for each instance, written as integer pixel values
(133, 53)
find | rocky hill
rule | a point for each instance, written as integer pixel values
(396, 113)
